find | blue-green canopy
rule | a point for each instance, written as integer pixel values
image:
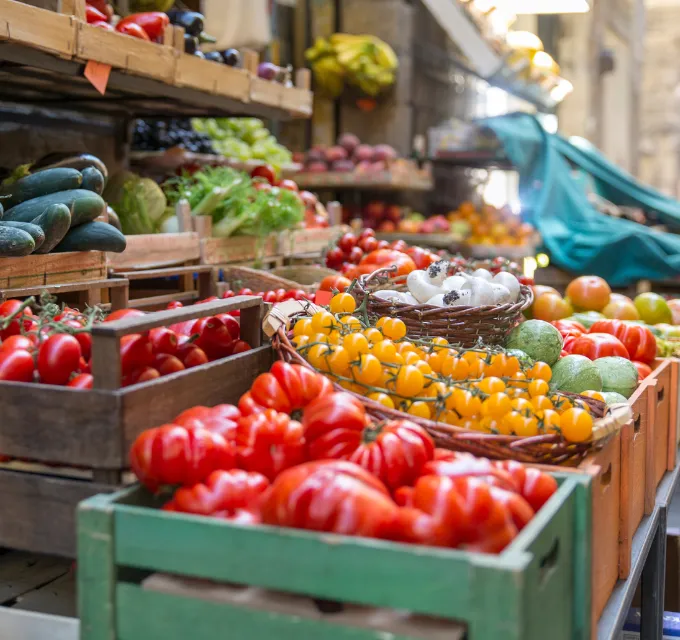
(579, 238)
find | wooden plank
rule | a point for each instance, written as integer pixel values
(57, 289)
(36, 27)
(165, 272)
(309, 240)
(66, 425)
(36, 626)
(21, 572)
(123, 52)
(43, 511)
(126, 326)
(160, 302)
(56, 598)
(52, 268)
(298, 101)
(266, 92)
(216, 251)
(662, 418)
(156, 250)
(159, 401)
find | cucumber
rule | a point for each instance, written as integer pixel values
(84, 206)
(15, 242)
(39, 184)
(55, 221)
(2, 210)
(93, 236)
(33, 230)
(93, 180)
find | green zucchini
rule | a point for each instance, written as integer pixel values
(39, 184)
(72, 160)
(93, 180)
(93, 236)
(15, 242)
(2, 210)
(36, 232)
(55, 221)
(84, 206)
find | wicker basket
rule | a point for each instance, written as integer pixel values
(541, 449)
(464, 326)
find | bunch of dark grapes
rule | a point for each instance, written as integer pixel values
(159, 135)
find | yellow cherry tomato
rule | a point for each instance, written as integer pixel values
(538, 387)
(350, 324)
(356, 344)
(510, 423)
(373, 335)
(385, 351)
(496, 405)
(540, 371)
(512, 366)
(343, 303)
(439, 344)
(382, 321)
(455, 368)
(303, 327)
(541, 403)
(381, 398)
(491, 385)
(394, 329)
(576, 425)
(368, 370)
(424, 368)
(595, 395)
(338, 361)
(561, 403)
(489, 424)
(324, 322)
(527, 427)
(317, 356)
(496, 365)
(467, 404)
(409, 357)
(300, 341)
(405, 347)
(521, 405)
(410, 381)
(435, 360)
(420, 410)
(550, 421)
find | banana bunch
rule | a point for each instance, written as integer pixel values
(363, 61)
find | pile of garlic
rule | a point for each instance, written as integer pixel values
(434, 287)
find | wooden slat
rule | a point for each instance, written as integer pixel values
(39, 28)
(52, 268)
(216, 251)
(57, 289)
(43, 511)
(212, 77)
(266, 92)
(160, 302)
(156, 250)
(165, 272)
(159, 401)
(21, 572)
(16, 624)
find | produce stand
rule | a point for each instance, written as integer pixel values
(417, 180)
(154, 250)
(309, 242)
(451, 243)
(241, 250)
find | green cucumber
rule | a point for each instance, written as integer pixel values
(15, 242)
(39, 184)
(93, 236)
(36, 232)
(84, 205)
(93, 180)
(55, 221)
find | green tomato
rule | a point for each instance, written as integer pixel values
(653, 309)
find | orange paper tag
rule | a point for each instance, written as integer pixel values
(98, 74)
(323, 298)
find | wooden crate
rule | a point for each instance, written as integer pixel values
(309, 241)
(530, 591)
(109, 294)
(154, 289)
(52, 268)
(93, 430)
(239, 249)
(664, 408)
(236, 278)
(46, 30)
(637, 492)
(156, 250)
(212, 77)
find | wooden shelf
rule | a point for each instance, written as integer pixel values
(378, 181)
(43, 57)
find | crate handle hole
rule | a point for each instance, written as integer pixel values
(637, 424)
(549, 561)
(660, 395)
(329, 606)
(606, 477)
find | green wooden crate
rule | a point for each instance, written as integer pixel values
(537, 588)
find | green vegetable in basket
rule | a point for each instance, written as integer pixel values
(139, 202)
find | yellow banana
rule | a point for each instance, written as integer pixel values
(345, 38)
(384, 55)
(321, 47)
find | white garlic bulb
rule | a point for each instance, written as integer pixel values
(458, 298)
(437, 272)
(483, 274)
(454, 282)
(509, 282)
(482, 293)
(501, 294)
(421, 288)
(390, 296)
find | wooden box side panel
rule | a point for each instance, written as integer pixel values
(637, 467)
(605, 465)
(220, 382)
(56, 424)
(266, 92)
(661, 399)
(309, 240)
(37, 27)
(125, 52)
(150, 251)
(298, 101)
(52, 268)
(212, 77)
(43, 511)
(237, 249)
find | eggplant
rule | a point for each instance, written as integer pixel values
(190, 44)
(231, 57)
(191, 21)
(114, 220)
(215, 56)
(70, 160)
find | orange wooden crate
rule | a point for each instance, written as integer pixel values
(663, 392)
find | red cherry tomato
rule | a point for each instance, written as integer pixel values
(124, 313)
(163, 340)
(368, 244)
(355, 255)
(58, 358)
(81, 381)
(309, 199)
(366, 233)
(269, 296)
(135, 353)
(166, 364)
(16, 365)
(335, 257)
(192, 356)
(10, 308)
(240, 347)
(280, 295)
(289, 185)
(347, 242)
(228, 294)
(264, 171)
(145, 374)
(17, 342)
(175, 304)
(245, 292)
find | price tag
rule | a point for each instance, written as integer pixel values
(323, 298)
(98, 74)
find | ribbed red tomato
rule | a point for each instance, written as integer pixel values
(639, 341)
(394, 452)
(173, 454)
(644, 369)
(333, 496)
(222, 419)
(596, 345)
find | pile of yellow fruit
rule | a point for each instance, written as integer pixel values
(475, 389)
(492, 226)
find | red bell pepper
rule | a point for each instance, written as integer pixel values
(153, 23)
(132, 29)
